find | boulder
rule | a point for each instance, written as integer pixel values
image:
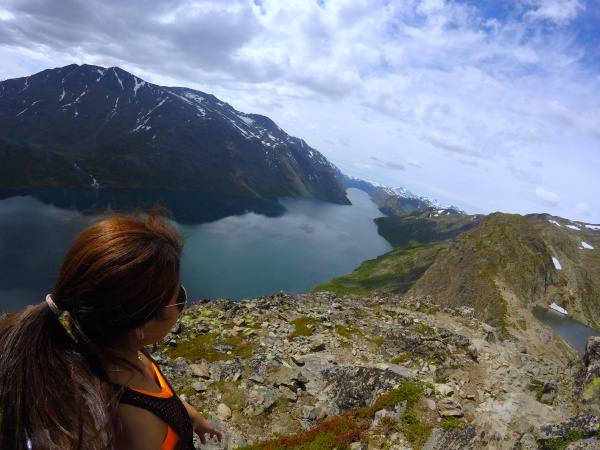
(355, 386)
(223, 411)
(200, 371)
(449, 408)
(583, 426)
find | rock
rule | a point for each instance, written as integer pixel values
(226, 370)
(430, 404)
(259, 400)
(591, 379)
(444, 389)
(200, 371)
(177, 328)
(490, 337)
(199, 387)
(317, 347)
(472, 352)
(296, 359)
(287, 393)
(223, 411)
(592, 443)
(527, 442)
(453, 439)
(309, 412)
(448, 408)
(393, 414)
(585, 424)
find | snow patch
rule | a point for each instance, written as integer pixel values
(137, 85)
(195, 103)
(573, 227)
(246, 120)
(101, 72)
(556, 262)
(193, 96)
(114, 110)
(60, 99)
(26, 84)
(554, 222)
(559, 309)
(142, 121)
(593, 227)
(117, 77)
(586, 245)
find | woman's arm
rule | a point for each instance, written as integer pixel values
(200, 424)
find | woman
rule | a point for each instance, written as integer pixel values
(74, 372)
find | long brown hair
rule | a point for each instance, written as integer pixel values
(118, 274)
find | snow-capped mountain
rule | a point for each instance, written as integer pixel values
(398, 200)
(84, 125)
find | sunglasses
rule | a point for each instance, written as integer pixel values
(182, 299)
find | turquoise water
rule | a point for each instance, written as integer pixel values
(236, 257)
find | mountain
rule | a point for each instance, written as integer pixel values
(418, 238)
(502, 265)
(394, 201)
(84, 126)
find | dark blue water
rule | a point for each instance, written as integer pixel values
(573, 331)
(238, 256)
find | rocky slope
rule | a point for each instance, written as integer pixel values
(511, 262)
(95, 127)
(397, 372)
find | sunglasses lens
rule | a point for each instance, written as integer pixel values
(182, 298)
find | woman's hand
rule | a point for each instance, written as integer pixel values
(200, 424)
(203, 426)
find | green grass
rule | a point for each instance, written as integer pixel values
(409, 391)
(538, 388)
(231, 394)
(401, 358)
(452, 423)
(346, 332)
(562, 442)
(592, 387)
(202, 347)
(414, 429)
(394, 271)
(301, 326)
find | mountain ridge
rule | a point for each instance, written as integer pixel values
(104, 127)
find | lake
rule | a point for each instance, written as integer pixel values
(571, 330)
(234, 257)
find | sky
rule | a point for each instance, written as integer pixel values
(489, 105)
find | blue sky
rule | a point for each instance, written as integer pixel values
(487, 105)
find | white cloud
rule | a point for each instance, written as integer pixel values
(460, 103)
(547, 197)
(557, 11)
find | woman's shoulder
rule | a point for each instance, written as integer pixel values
(140, 429)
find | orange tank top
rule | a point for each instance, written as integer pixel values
(171, 439)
